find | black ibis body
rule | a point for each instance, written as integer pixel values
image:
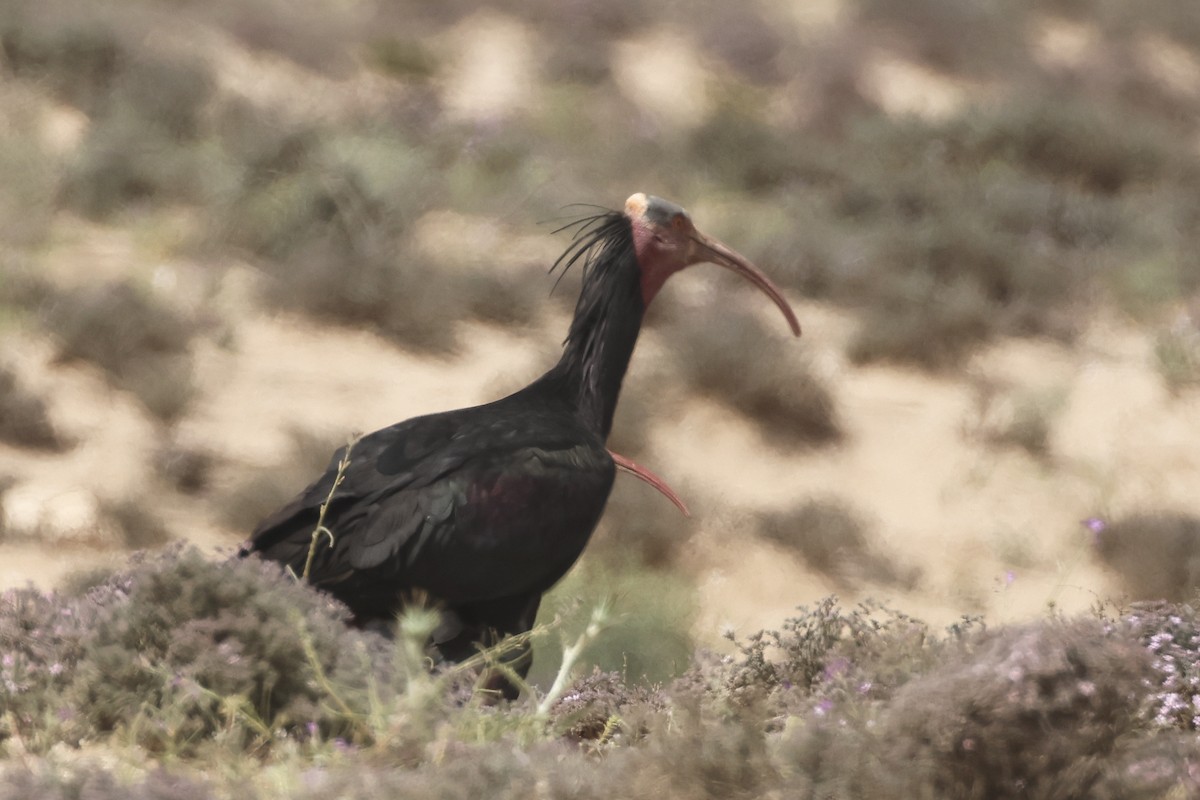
(483, 509)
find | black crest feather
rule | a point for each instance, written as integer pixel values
(597, 239)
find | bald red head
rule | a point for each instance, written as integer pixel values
(666, 241)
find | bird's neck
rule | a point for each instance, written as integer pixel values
(600, 343)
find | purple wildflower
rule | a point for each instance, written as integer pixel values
(837, 667)
(1096, 525)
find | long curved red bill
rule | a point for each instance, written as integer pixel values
(716, 252)
(643, 474)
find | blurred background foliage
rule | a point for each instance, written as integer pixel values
(1046, 164)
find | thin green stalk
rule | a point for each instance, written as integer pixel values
(571, 654)
(343, 465)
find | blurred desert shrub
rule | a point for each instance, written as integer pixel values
(148, 144)
(754, 46)
(186, 467)
(955, 37)
(1165, 17)
(945, 235)
(320, 36)
(740, 150)
(1155, 555)
(759, 373)
(643, 395)
(1028, 427)
(22, 290)
(142, 344)
(24, 418)
(998, 220)
(642, 525)
(575, 38)
(147, 140)
(138, 526)
(970, 239)
(493, 162)
(31, 171)
(1082, 141)
(834, 539)
(304, 185)
(1022, 419)
(639, 523)
(75, 49)
(406, 57)
(328, 214)
(1031, 711)
(1177, 354)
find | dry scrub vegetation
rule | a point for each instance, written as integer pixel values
(238, 680)
(172, 170)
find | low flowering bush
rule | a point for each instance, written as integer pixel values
(1026, 711)
(1171, 634)
(174, 650)
(194, 676)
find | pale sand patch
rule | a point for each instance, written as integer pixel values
(662, 74)
(1170, 63)
(33, 565)
(287, 372)
(492, 72)
(901, 87)
(1060, 43)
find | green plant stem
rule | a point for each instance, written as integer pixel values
(571, 654)
(343, 465)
